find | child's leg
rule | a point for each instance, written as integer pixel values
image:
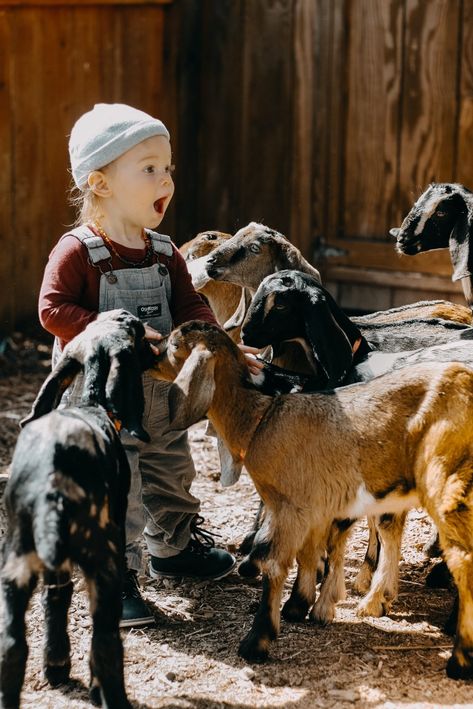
(167, 472)
(177, 546)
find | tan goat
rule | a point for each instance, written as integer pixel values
(402, 440)
(224, 298)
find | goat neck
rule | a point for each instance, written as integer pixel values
(234, 393)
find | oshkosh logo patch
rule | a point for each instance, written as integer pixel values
(149, 311)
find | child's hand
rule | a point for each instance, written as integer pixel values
(153, 336)
(254, 365)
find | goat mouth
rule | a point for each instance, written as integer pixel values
(409, 248)
(214, 272)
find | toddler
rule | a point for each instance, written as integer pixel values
(122, 167)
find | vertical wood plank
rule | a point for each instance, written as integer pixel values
(374, 72)
(221, 116)
(464, 162)
(266, 161)
(7, 179)
(429, 106)
(306, 124)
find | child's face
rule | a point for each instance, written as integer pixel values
(141, 184)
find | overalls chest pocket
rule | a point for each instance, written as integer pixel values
(143, 292)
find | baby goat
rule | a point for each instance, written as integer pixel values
(399, 441)
(66, 503)
(442, 218)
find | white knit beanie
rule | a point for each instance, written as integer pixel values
(106, 132)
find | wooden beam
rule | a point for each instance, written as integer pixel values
(79, 3)
(396, 279)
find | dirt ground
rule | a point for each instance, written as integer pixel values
(190, 658)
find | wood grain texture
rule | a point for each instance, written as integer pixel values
(429, 106)
(7, 179)
(374, 69)
(464, 155)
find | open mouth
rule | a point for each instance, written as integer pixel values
(160, 205)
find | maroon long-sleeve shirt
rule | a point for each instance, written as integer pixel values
(69, 295)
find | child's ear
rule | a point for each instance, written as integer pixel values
(98, 183)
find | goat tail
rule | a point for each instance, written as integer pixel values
(51, 529)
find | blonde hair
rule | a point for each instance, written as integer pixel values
(86, 204)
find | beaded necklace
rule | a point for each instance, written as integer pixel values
(149, 246)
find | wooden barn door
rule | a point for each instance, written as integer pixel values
(403, 86)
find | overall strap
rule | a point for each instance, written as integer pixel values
(95, 245)
(161, 243)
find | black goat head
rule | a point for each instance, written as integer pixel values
(291, 305)
(442, 217)
(112, 353)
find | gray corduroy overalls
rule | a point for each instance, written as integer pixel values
(159, 503)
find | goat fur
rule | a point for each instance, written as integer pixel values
(398, 441)
(66, 502)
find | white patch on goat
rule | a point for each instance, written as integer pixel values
(378, 363)
(366, 504)
(19, 568)
(427, 211)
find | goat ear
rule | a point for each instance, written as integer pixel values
(461, 246)
(331, 346)
(230, 469)
(124, 396)
(236, 320)
(53, 388)
(291, 258)
(191, 393)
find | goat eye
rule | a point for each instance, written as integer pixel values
(440, 213)
(286, 282)
(211, 237)
(254, 248)
(279, 306)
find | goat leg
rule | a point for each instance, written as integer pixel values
(107, 686)
(303, 591)
(14, 650)
(247, 543)
(385, 581)
(332, 588)
(363, 579)
(459, 557)
(56, 599)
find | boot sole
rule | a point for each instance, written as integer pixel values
(180, 574)
(137, 622)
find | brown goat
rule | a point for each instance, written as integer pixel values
(401, 440)
(224, 298)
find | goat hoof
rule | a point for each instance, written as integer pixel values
(247, 543)
(439, 576)
(57, 674)
(249, 569)
(362, 582)
(372, 608)
(460, 665)
(295, 610)
(253, 648)
(320, 616)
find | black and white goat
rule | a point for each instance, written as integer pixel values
(442, 218)
(66, 502)
(293, 305)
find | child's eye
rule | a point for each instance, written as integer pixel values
(149, 169)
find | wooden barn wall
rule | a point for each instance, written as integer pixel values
(323, 118)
